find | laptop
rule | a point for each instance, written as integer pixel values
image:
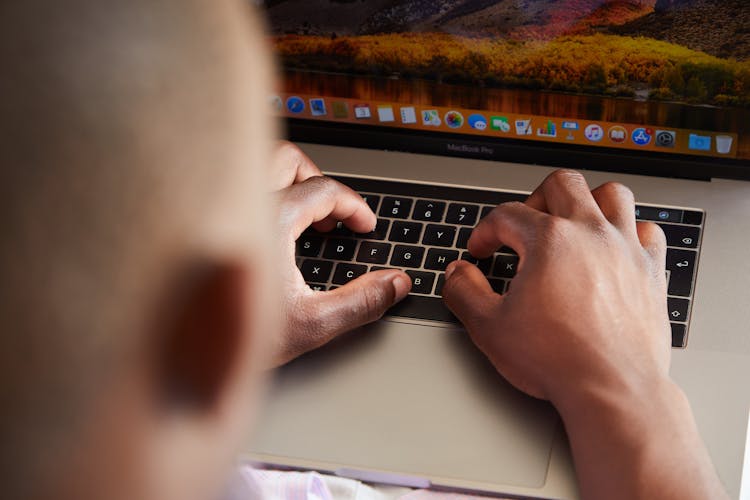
(436, 112)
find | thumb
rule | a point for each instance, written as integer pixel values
(359, 302)
(468, 294)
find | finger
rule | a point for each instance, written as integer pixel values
(320, 198)
(357, 303)
(468, 294)
(653, 241)
(291, 166)
(617, 203)
(564, 193)
(512, 224)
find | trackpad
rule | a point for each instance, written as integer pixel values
(411, 400)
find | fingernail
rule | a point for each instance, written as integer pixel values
(449, 270)
(402, 286)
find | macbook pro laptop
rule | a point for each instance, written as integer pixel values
(438, 111)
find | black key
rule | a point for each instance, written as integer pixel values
(431, 211)
(658, 214)
(398, 208)
(463, 237)
(341, 230)
(421, 307)
(497, 285)
(380, 231)
(372, 200)
(421, 282)
(441, 236)
(339, 249)
(381, 268)
(678, 335)
(316, 271)
(459, 213)
(681, 236)
(681, 265)
(309, 246)
(678, 309)
(405, 232)
(440, 284)
(439, 259)
(507, 250)
(406, 256)
(692, 217)
(484, 265)
(346, 272)
(318, 287)
(373, 253)
(505, 266)
(486, 211)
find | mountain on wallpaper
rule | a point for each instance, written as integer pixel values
(694, 51)
(718, 27)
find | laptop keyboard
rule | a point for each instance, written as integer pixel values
(421, 228)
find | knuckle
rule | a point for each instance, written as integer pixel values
(504, 211)
(321, 184)
(456, 281)
(565, 176)
(374, 301)
(616, 190)
(290, 151)
(555, 228)
(510, 206)
(653, 234)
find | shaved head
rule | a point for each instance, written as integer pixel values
(133, 141)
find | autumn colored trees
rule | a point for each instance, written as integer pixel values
(596, 64)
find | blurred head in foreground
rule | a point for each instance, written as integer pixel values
(133, 146)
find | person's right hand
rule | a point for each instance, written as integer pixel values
(587, 309)
(585, 326)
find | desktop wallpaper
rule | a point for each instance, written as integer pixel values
(678, 63)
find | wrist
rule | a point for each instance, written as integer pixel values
(636, 441)
(624, 400)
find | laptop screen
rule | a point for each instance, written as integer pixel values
(666, 78)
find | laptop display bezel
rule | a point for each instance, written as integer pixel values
(515, 151)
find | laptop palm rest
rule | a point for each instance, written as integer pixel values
(411, 400)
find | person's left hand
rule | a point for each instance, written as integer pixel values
(312, 318)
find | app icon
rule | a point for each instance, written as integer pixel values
(317, 107)
(642, 136)
(385, 113)
(569, 125)
(523, 127)
(665, 138)
(594, 132)
(500, 123)
(340, 109)
(295, 104)
(618, 134)
(408, 115)
(549, 130)
(724, 144)
(362, 111)
(477, 122)
(276, 103)
(699, 142)
(431, 117)
(454, 119)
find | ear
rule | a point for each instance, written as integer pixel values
(207, 339)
